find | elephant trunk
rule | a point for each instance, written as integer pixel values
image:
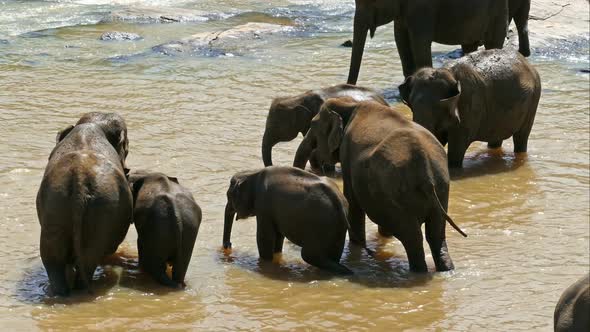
(227, 225)
(358, 46)
(303, 152)
(267, 144)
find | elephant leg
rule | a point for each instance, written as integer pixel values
(402, 41)
(521, 19)
(494, 144)
(356, 217)
(421, 50)
(412, 242)
(496, 33)
(468, 48)
(458, 144)
(265, 237)
(54, 257)
(158, 271)
(322, 261)
(279, 240)
(521, 137)
(180, 264)
(436, 237)
(313, 161)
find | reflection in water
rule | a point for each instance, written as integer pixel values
(201, 119)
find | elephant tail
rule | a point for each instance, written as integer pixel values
(445, 215)
(79, 210)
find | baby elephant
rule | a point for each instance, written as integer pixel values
(487, 96)
(289, 202)
(167, 221)
(572, 312)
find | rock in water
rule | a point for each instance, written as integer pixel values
(116, 35)
(146, 15)
(225, 42)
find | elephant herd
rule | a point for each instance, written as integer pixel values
(394, 170)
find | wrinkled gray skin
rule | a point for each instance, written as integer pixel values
(84, 204)
(393, 170)
(167, 221)
(288, 202)
(417, 23)
(572, 313)
(487, 96)
(289, 116)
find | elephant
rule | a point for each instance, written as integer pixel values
(418, 23)
(518, 10)
(84, 204)
(571, 312)
(487, 96)
(288, 202)
(289, 116)
(167, 221)
(393, 170)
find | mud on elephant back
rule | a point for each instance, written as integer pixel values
(84, 204)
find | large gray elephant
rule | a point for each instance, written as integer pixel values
(167, 221)
(418, 23)
(288, 202)
(572, 313)
(289, 116)
(487, 96)
(84, 204)
(393, 170)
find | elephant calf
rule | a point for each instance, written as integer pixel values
(572, 313)
(393, 170)
(289, 116)
(167, 221)
(288, 202)
(486, 96)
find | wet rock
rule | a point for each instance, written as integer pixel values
(119, 36)
(144, 14)
(230, 42)
(347, 43)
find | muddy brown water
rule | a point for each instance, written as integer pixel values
(201, 117)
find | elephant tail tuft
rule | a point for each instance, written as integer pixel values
(446, 216)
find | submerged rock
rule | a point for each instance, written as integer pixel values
(228, 42)
(144, 14)
(116, 35)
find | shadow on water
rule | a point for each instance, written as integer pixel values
(121, 269)
(381, 270)
(488, 162)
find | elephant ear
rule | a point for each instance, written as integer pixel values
(450, 104)
(63, 133)
(336, 131)
(122, 147)
(405, 89)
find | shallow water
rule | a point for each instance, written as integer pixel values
(201, 118)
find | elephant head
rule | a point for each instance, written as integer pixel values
(137, 179)
(326, 132)
(240, 202)
(433, 96)
(114, 128)
(287, 117)
(368, 15)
